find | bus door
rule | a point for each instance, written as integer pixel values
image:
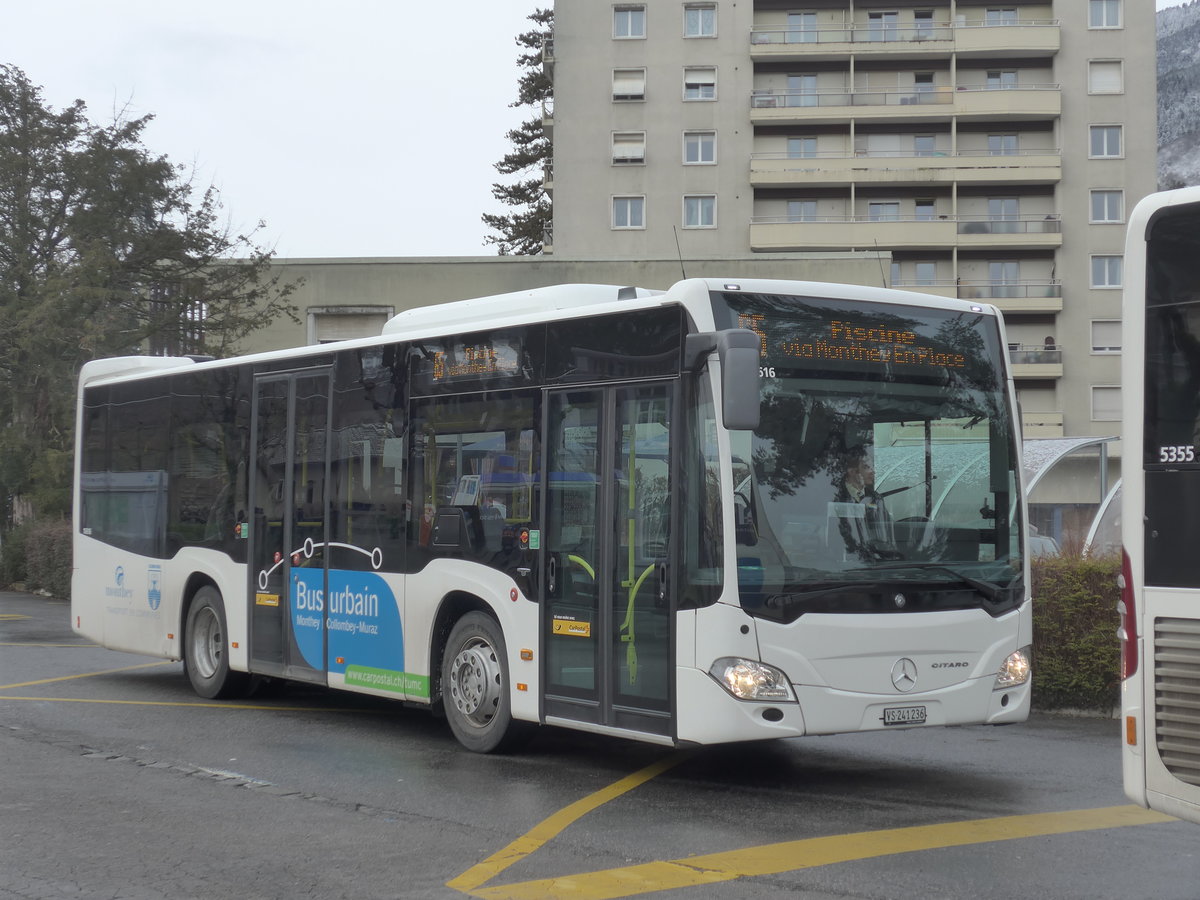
(606, 633)
(290, 425)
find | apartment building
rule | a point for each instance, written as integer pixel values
(994, 149)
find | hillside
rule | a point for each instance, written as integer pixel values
(1178, 30)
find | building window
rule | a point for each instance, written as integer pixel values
(700, 20)
(1002, 80)
(924, 144)
(700, 84)
(1106, 335)
(882, 26)
(926, 210)
(629, 148)
(1000, 16)
(699, 148)
(1002, 144)
(1107, 271)
(926, 273)
(1004, 277)
(700, 211)
(1104, 13)
(922, 24)
(1106, 76)
(883, 211)
(1106, 403)
(1105, 141)
(629, 21)
(1003, 214)
(629, 212)
(801, 147)
(1108, 207)
(801, 28)
(629, 84)
(802, 210)
(801, 90)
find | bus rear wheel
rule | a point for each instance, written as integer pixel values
(475, 686)
(206, 649)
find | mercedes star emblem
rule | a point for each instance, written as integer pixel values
(904, 675)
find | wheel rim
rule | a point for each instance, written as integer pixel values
(207, 642)
(475, 680)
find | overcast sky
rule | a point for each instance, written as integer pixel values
(355, 128)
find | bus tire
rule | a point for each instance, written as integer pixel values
(206, 649)
(475, 686)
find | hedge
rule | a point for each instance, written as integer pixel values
(1076, 658)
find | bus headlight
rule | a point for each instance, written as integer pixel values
(1015, 671)
(748, 679)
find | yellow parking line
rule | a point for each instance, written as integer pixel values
(9, 617)
(9, 687)
(549, 828)
(197, 704)
(773, 859)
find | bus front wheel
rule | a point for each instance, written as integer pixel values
(206, 648)
(475, 686)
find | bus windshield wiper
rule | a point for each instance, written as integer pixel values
(987, 588)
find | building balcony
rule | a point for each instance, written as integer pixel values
(1041, 424)
(966, 102)
(1028, 297)
(548, 118)
(905, 167)
(1035, 362)
(1016, 233)
(548, 239)
(548, 177)
(903, 233)
(1027, 38)
(774, 233)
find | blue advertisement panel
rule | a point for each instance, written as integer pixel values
(362, 618)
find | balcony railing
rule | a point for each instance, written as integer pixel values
(876, 34)
(966, 224)
(1015, 225)
(939, 95)
(1035, 355)
(903, 154)
(966, 289)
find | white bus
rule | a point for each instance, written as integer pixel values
(636, 513)
(1160, 516)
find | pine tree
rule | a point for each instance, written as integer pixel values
(522, 231)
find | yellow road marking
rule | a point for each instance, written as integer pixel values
(8, 617)
(773, 859)
(40, 644)
(551, 827)
(197, 704)
(9, 687)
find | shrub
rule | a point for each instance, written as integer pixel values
(1076, 658)
(38, 554)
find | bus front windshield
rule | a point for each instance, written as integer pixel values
(883, 474)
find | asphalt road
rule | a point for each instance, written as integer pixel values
(116, 781)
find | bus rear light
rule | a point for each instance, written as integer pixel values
(1127, 628)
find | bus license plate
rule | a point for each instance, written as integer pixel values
(904, 715)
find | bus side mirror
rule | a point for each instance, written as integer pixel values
(738, 350)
